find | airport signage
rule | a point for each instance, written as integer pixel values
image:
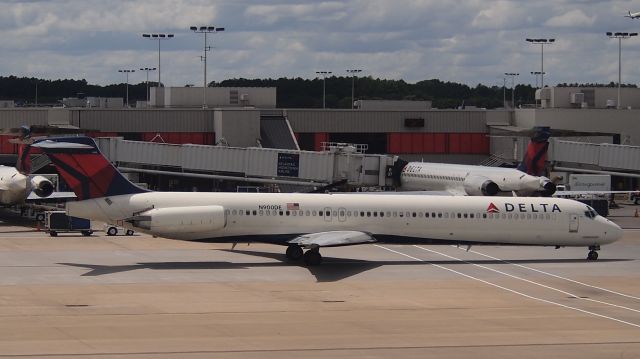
(288, 164)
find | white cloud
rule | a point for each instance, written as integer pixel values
(573, 18)
(470, 41)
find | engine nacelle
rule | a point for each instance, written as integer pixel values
(548, 188)
(480, 186)
(181, 219)
(41, 186)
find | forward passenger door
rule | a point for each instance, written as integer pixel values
(574, 222)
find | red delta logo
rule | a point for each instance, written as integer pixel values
(492, 208)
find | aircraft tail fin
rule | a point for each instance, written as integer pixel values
(24, 159)
(85, 169)
(534, 159)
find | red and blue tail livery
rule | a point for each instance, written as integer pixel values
(87, 172)
(534, 159)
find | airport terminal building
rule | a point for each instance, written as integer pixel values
(241, 137)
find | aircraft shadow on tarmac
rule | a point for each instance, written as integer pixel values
(331, 270)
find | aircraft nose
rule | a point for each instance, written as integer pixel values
(19, 182)
(613, 232)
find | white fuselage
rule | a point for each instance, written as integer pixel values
(14, 186)
(279, 217)
(425, 176)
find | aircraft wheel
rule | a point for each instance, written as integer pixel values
(112, 231)
(40, 217)
(592, 256)
(294, 252)
(312, 258)
(129, 232)
(53, 233)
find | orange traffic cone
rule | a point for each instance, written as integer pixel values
(636, 214)
(38, 223)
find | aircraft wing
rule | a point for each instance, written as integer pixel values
(332, 239)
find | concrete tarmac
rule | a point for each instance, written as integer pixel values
(144, 297)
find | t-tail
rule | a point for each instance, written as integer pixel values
(85, 169)
(535, 158)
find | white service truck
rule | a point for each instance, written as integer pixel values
(589, 182)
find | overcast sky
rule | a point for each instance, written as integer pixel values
(468, 41)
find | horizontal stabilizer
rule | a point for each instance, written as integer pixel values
(332, 239)
(54, 144)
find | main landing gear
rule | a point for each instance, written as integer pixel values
(311, 257)
(593, 255)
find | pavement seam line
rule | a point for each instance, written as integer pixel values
(575, 296)
(554, 275)
(512, 290)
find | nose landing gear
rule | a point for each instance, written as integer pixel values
(593, 255)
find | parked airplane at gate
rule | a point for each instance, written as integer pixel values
(310, 221)
(634, 15)
(527, 180)
(469, 180)
(16, 186)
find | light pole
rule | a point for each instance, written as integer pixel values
(541, 42)
(536, 73)
(158, 37)
(147, 69)
(205, 30)
(504, 92)
(127, 72)
(353, 73)
(513, 87)
(324, 80)
(620, 36)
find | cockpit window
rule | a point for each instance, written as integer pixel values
(590, 212)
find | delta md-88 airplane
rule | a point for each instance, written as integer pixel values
(303, 221)
(468, 180)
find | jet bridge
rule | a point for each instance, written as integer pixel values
(340, 163)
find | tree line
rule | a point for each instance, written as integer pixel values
(291, 92)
